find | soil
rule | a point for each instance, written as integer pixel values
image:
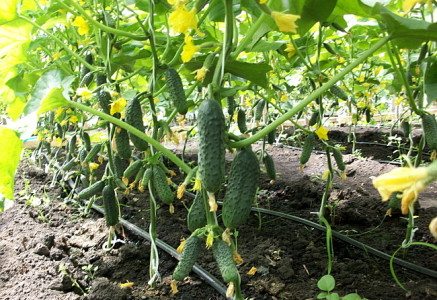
(50, 250)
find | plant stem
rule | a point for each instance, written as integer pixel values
(170, 155)
(302, 104)
(249, 35)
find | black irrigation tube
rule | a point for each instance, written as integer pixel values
(201, 272)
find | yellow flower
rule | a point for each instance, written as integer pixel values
(212, 203)
(322, 133)
(73, 119)
(85, 93)
(127, 285)
(433, 227)
(263, 1)
(174, 287)
(181, 246)
(82, 26)
(230, 291)
(118, 106)
(237, 258)
(285, 22)
(176, 2)
(181, 20)
(341, 60)
(57, 142)
(200, 74)
(209, 239)
(361, 78)
(181, 191)
(56, 55)
(189, 49)
(93, 166)
(291, 51)
(252, 271)
(197, 184)
(409, 181)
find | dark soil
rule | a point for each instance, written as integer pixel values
(49, 251)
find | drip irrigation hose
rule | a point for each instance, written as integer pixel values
(201, 272)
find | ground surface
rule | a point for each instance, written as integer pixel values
(49, 251)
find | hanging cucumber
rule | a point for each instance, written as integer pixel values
(259, 108)
(85, 75)
(307, 148)
(131, 171)
(160, 185)
(338, 92)
(92, 190)
(196, 217)
(86, 140)
(211, 127)
(241, 120)
(134, 117)
(121, 142)
(110, 205)
(271, 137)
(93, 152)
(176, 91)
(223, 256)
(145, 180)
(120, 165)
(242, 186)
(339, 159)
(231, 105)
(270, 166)
(429, 125)
(192, 249)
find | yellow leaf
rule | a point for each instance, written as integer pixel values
(11, 146)
(15, 109)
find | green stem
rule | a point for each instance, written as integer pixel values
(249, 35)
(99, 25)
(317, 93)
(170, 155)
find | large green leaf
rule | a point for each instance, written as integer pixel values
(256, 73)
(431, 81)
(408, 33)
(11, 146)
(50, 92)
(15, 37)
(314, 11)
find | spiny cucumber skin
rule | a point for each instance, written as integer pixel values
(429, 125)
(270, 166)
(338, 92)
(241, 121)
(122, 145)
(132, 170)
(307, 148)
(93, 152)
(259, 109)
(120, 165)
(160, 185)
(146, 178)
(134, 117)
(192, 249)
(110, 205)
(271, 137)
(211, 127)
(339, 159)
(231, 105)
(82, 155)
(92, 190)
(314, 118)
(196, 217)
(176, 91)
(241, 191)
(223, 256)
(86, 140)
(104, 98)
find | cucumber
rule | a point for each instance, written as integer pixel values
(429, 125)
(120, 165)
(307, 148)
(339, 159)
(211, 127)
(231, 105)
(223, 256)
(121, 142)
(92, 190)
(176, 91)
(271, 137)
(338, 92)
(72, 146)
(104, 98)
(192, 249)
(86, 140)
(59, 130)
(314, 118)
(110, 205)
(160, 185)
(259, 108)
(329, 48)
(241, 120)
(270, 166)
(69, 164)
(241, 190)
(196, 217)
(93, 152)
(406, 128)
(85, 75)
(132, 170)
(82, 154)
(368, 114)
(134, 117)
(146, 178)
(101, 79)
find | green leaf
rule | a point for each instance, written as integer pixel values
(50, 92)
(8, 10)
(333, 296)
(15, 108)
(11, 146)
(408, 33)
(314, 11)
(431, 81)
(15, 37)
(256, 73)
(322, 295)
(326, 283)
(352, 296)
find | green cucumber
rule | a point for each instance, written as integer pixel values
(146, 178)
(429, 126)
(104, 98)
(176, 91)
(314, 118)
(93, 152)
(132, 170)
(406, 128)
(92, 190)
(241, 120)
(120, 165)
(223, 256)
(86, 140)
(110, 205)
(82, 154)
(85, 75)
(69, 164)
(259, 108)
(270, 166)
(196, 217)
(271, 137)
(338, 92)
(134, 117)
(192, 249)
(241, 190)
(211, 128)
(307, 148)
(160, 185)
(339, 159)
(231, 105)
(121, 142)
